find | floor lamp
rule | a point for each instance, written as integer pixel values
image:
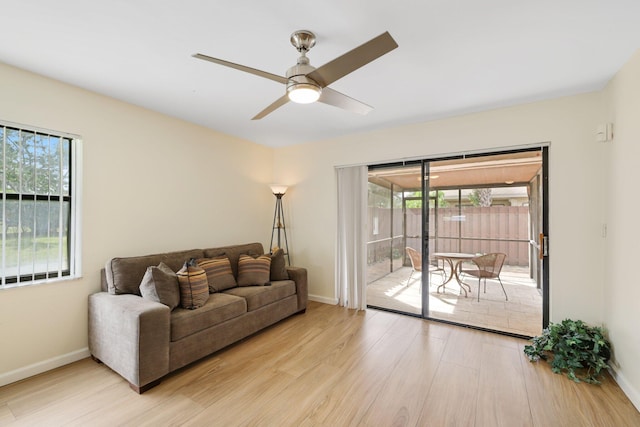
(278, 221)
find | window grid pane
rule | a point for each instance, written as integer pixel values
(35, 216)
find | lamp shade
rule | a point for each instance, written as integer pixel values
(278, 188)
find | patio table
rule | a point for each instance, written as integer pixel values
(454, 259)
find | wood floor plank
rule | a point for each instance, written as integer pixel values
(552, 398)
(402, 397)
(80, 410)
(596, 401)
(87, 377)
(361, 340)
(452, 397)
(116, 413)
(331, 366)
(230, 409)
(324, 346)
(463, 348)
(60, 375)
(438, 329)
(215, 386)
(304, 393)
(365, 376)
(6, 416)
(495, 390)
(556, 400)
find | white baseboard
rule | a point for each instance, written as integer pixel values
(44, 366)
(324, 300)
(628, 389)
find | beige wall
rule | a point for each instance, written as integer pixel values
(576, 186)
(590, 186)
(151, 184)
(622, 291)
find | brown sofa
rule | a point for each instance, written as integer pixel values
(144, 340)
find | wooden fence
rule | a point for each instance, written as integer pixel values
(474, 230)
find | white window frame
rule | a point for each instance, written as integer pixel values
(75, 195)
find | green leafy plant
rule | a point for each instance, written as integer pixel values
(574, 347)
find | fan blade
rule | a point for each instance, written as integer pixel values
(249, 70)
(354, 59)
(271, 108)
(337, 99)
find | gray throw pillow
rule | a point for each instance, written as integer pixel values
(278, 266)
(160, 284)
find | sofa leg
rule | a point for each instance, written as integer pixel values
(95, 359)
(145, 387)
(303, 311)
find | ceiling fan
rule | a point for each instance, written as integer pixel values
(307, 84)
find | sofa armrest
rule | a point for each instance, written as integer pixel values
(130, 335)
(299, 276)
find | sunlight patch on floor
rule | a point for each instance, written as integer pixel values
(521, 314)
(404, 295)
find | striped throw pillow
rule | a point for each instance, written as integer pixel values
(219, 273)
(194, 289)
(253, 271)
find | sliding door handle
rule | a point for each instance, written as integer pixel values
(544, 249)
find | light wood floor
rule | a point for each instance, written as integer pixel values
(521, 314)
(331, 367)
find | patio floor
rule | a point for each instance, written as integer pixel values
(522, 314)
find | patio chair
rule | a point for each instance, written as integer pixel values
(488, 267)
(416, 264)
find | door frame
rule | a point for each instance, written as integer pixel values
(544, 251)
(425, 163)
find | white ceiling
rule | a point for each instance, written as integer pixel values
(454, 56)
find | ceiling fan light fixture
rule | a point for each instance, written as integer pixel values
(303, 93)
(305, 83)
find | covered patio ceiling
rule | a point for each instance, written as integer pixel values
(498, 170)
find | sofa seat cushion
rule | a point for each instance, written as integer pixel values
(219, 308)
(259, 296)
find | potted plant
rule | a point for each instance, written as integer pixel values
(576, 348)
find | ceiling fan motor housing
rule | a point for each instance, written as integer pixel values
(297, 77)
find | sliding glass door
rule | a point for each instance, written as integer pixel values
(436, 224)
(394, 279)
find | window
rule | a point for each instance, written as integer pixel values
(38, 215)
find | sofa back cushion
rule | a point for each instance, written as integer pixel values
(123, 275)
